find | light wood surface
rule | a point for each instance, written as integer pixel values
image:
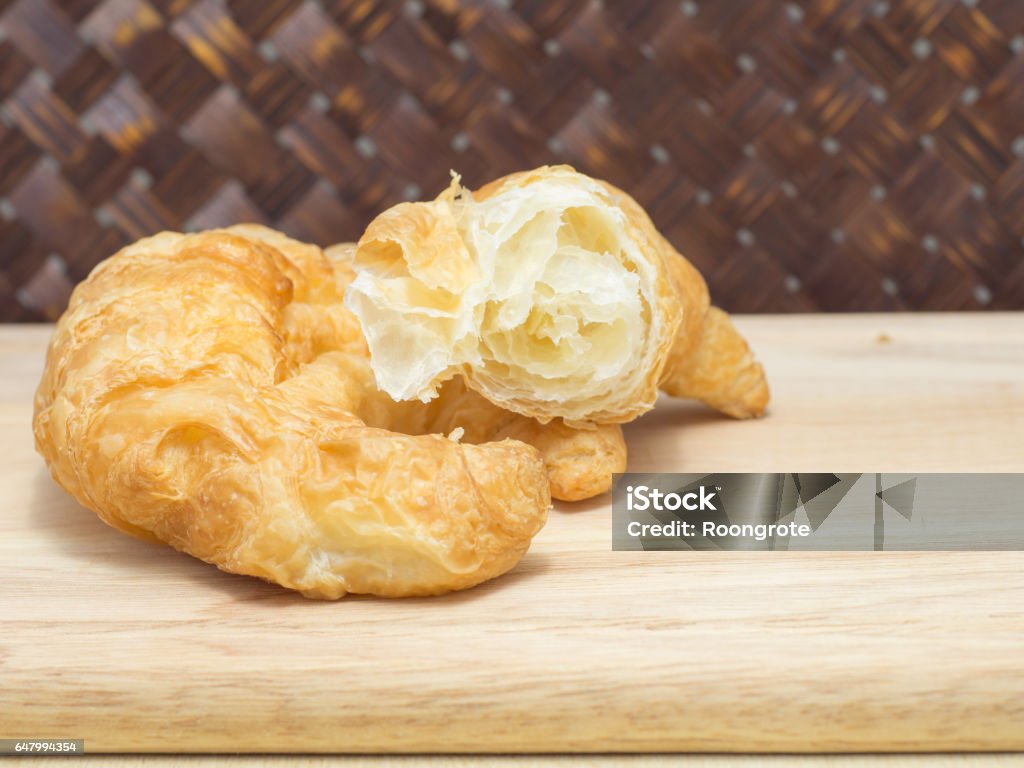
(1000, 760)
(134, 647)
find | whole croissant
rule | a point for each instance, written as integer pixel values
(212, 392)
(553, 295)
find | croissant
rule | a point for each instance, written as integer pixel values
(579, 462)
(553, 295)
(212, 392)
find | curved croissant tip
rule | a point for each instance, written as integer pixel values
(753, 403)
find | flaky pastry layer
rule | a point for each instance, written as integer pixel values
(553, 295)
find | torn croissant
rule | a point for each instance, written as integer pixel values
(553, 295)
(212, 392)
(580, 462)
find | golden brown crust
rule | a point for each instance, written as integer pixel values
(579, 461)
(709, 360)
(721, 370)
(205, 391)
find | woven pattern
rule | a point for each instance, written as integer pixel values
(813, 155)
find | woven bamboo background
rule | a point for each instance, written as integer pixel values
(811, 155)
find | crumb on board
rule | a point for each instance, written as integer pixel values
(884, 338)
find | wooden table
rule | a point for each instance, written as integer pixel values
(136, 648)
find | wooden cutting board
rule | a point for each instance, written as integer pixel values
(134, 647)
